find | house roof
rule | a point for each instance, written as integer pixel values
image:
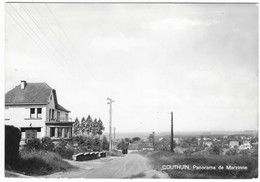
(133, 146)
(33, 93)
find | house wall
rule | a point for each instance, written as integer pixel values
(51, 105)
(19, 116)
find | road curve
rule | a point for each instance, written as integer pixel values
(129, 166)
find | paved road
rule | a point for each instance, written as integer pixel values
(129, 166)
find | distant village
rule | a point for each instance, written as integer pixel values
(199, 145)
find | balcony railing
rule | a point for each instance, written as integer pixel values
(65, 119)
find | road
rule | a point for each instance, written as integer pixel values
(129, 166)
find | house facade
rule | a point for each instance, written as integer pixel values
(34, 108)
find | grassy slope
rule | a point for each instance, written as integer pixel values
(36, 163)
(160, 158)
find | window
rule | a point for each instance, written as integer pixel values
(32, 113)
(30, 134)
(49, 114)
(65, 132)
(39, 112)
(59, 132)
(52, 132)
(36, 113)
(52, 114)
(58, 116)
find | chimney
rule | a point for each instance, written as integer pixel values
(23, 84)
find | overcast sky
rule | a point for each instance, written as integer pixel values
(199, 61)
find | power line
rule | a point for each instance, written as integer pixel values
(54, 33)
(29, 35)
(37, 25)
(32, 30)
(57, 22)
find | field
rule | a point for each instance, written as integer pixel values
(204, 167)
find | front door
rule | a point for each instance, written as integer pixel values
(30, 134)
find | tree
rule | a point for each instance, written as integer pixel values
(88, 126)
(105, 144)
(231, 152)
(83, 125)
(151, 138)
(76, 127)
(128, 140)
(94, 127)
(136, 139)
(97, 144)
(100, 127)
(215, 150)
(47, 144)
(122, 145)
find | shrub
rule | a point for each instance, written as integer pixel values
(79, 140)
(33, 144)
(64, 150)
(47, 144)
(96, 144)
(116, 153)
(12, 141)
(232, 152)
(105, 144)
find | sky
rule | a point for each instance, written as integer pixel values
(199, 61)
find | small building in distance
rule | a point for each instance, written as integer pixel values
(148, 146)
(207, 143)
(34, 109)
(233, 143)
(133, 147)
(246, 145)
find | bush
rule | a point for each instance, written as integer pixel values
(64, 150)
(105, 144)
(33, 144)
(96, 144)
(47, 144)
(12, 143)
(116, 153)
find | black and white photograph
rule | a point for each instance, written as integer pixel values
(130, 90)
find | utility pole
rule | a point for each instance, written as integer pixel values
(172, 131)
(115, 137)
(110, 101)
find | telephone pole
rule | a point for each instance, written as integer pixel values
(110, 101)
(115, 137)
(172, 131)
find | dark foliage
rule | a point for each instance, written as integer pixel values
(47, 144)
(12, 143)
(33, 144)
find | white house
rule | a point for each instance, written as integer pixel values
(207, 143)
(245, 145)
(233, 143)
(34, 108)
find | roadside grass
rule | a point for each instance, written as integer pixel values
(40, 162)
(139, 175)
(160, 158)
